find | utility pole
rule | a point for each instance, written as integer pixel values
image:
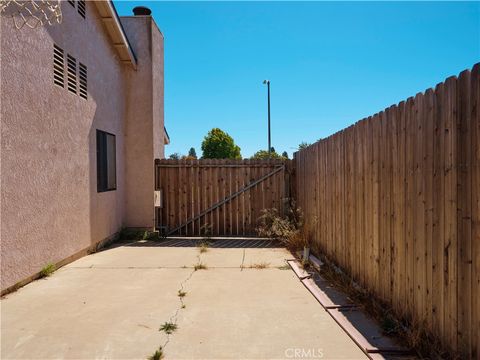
(267, 82)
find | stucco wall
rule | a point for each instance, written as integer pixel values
(158, 92)
(144, 103)
(50, 207)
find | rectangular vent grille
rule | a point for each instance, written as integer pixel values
(81, 8)
(83, 81)
(72, 2)
(58, 66)
(72, 74)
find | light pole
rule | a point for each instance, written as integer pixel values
(269, 136)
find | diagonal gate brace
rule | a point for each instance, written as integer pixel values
(227, 199)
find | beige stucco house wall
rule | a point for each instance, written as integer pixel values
(144, 116)
(50, 207)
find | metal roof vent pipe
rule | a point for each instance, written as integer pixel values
(141, 11)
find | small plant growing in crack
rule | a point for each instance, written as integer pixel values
(168, 328)
(47, 270)
(181, 293)
(207, 230)
(284, 267)
(204, 244)
(200, 266)
(261, 265)
(184, 306)
(157, 355)
(203, 247)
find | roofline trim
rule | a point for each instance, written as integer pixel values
(166, 134)
(116, 19)
(121, 31)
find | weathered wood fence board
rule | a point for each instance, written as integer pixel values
(228, 195)
(395, 201)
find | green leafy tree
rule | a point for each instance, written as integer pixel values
(263, 154)
(175, 156)
(192, 153)
(285, 155)
(303, 145)
(217, 144)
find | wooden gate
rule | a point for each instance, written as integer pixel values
(224, 196)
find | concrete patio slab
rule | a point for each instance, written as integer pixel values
(226, 258)
(255, 314)
(110, 305)
(89, 314)
(140, 255)
(272, 257)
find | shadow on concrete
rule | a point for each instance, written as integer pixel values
(213, 243)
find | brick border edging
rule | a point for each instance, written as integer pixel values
(364, 345)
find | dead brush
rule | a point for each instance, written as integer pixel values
(205, 243)
(288, 229)
(203, 247)
(206, 229)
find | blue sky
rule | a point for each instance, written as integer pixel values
(330, 64)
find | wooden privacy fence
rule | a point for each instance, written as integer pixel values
(227, 195)
(395, 201)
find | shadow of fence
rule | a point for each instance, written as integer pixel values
(213, 243)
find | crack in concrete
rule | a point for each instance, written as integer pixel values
(174, 317)
(243, 260)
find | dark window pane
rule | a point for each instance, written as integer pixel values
(106, 161)
(111, 164)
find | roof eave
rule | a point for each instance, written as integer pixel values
(115, 30)
(166, 136)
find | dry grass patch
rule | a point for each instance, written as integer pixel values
(200, 266)
(47, 270)
(260, 265)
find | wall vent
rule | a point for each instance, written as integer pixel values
(72, 2)
(82, 81)
(81, 8)
(58, 66)
(71, 74)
